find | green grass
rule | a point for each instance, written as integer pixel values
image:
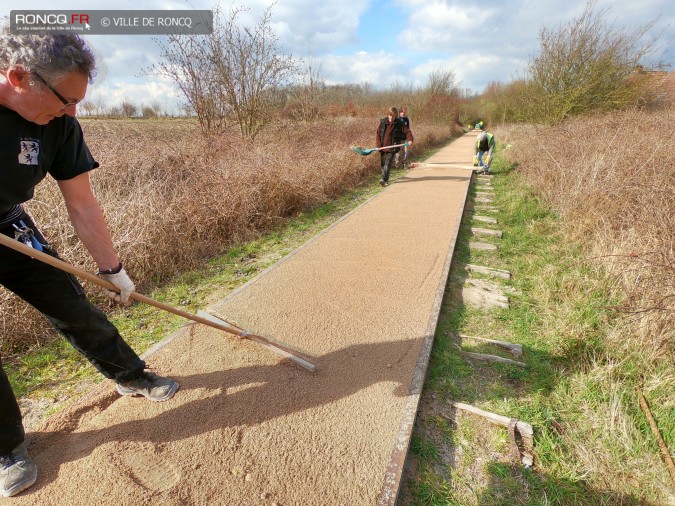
(569, 391)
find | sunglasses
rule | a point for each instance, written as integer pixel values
(66, 103)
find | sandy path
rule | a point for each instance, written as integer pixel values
(246, 428)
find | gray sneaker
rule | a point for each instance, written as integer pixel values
(17, 471)
(149, 385)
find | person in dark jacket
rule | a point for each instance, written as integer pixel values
(42, 79)
(391, 131)
(402, 155)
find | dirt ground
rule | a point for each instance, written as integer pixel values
(360, 300)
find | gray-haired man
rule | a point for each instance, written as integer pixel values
(42, 79)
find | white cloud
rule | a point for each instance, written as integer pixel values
(309, 27)
(494, 40)
(140, 94)
(480, 42)
(378, 69)
(444, 26)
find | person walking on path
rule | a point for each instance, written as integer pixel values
(402, 156)
(485, 145)
(42, 79)
(391, 131)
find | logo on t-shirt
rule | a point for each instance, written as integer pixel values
(30, 152)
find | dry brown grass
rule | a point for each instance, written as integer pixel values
(173, 198)
(612, 179)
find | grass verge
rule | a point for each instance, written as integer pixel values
(591, 443)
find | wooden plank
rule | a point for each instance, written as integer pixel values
(493, 358)
(486, 231)
(524, 429)
(516, 349)
(483, 246)
(487, 270)
(485, 219)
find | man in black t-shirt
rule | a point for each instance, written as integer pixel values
(42, 79)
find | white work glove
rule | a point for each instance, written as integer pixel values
(122, 281)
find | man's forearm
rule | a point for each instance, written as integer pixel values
(93, 232)
(87, 218)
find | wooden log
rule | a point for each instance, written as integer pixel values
(482, 246)
(665, 453)
(524, 429)
(480, 207)
(485, 219)
(516, 349)
(486, 231)
(487, 270)
(493, 358)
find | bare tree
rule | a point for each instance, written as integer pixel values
(151, 111)
(440, 98)
(365, 93)
(128, 109)
(308, 93)
(100, 106)
(251, 69)
(584, 66)
(235, 71)
(442, 82)
(187, 62)
(87, 107)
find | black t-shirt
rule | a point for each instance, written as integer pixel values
(28, 152)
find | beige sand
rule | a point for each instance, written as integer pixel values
(248, 428)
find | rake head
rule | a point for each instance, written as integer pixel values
(363, 151)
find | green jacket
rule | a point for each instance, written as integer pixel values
(485, 142)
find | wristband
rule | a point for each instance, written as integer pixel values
(114, 270)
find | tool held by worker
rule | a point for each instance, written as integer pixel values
(365, 152)
(201, 317)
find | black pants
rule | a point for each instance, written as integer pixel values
(386, 159)
(61, 299)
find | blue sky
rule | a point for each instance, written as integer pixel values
(375, 41)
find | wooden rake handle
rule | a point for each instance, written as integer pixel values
(207, 319)
(387, 147)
